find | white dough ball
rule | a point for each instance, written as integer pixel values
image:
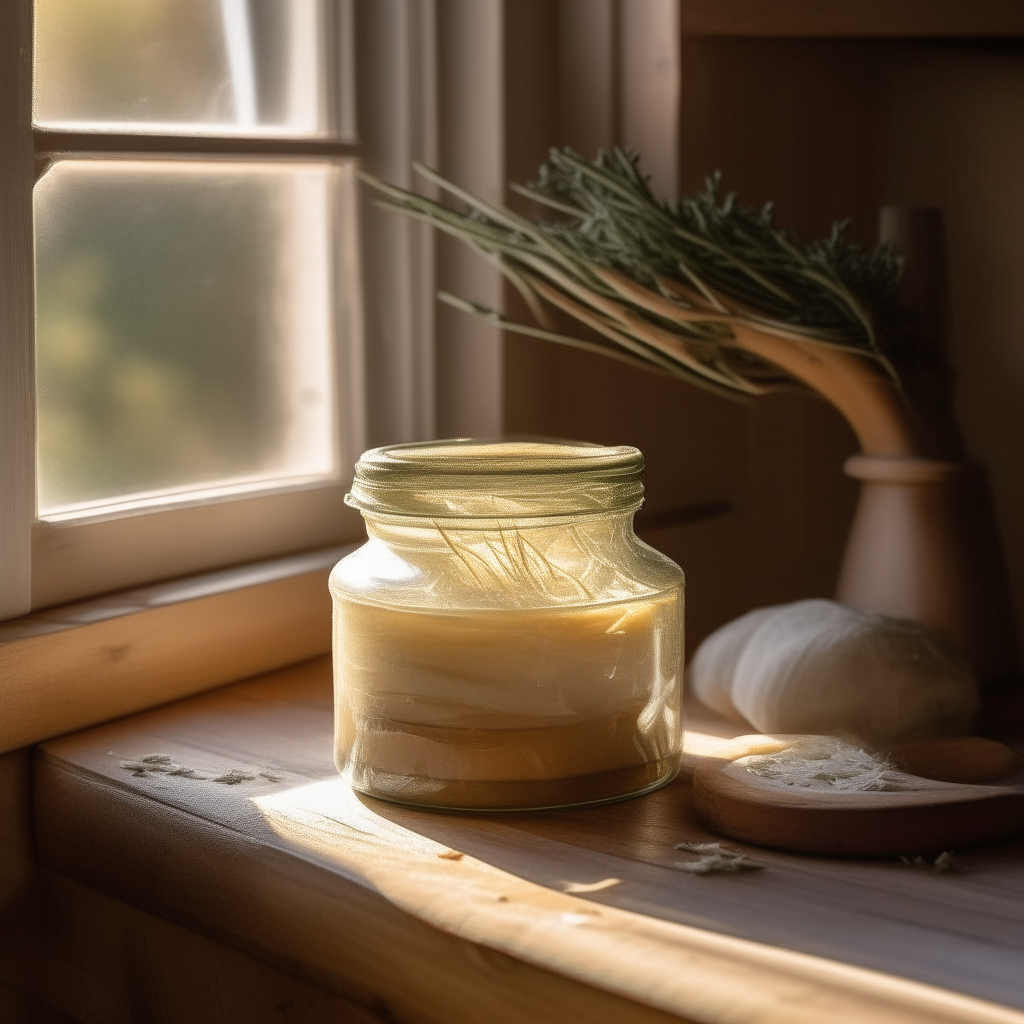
(710, 674)
(822, 668)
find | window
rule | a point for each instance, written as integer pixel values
(197, 374)
(258, 91)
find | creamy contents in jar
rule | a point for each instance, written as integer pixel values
(508, 708)
(504, 639)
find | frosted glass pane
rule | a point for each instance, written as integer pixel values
(184, 335)
(249, 67)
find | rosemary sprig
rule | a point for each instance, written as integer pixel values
(663, 283)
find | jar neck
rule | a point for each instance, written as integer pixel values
(420, 529)
(507, 563)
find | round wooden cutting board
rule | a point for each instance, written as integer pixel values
(927, 816)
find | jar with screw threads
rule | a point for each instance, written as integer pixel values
(503, 640)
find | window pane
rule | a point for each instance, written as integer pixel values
(251, 67)
(184, 334)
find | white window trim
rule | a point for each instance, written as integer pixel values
(412, 55)
(47, 563)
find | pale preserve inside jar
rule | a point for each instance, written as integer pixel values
(504, 640)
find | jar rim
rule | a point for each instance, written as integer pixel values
(497, 478)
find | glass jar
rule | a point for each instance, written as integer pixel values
(503, 639)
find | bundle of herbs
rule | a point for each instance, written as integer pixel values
(718, 294)
(696, 287)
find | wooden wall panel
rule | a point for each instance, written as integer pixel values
(856, 18)
(827, 129)
(951, 136)
(756, 111)
(792, 122)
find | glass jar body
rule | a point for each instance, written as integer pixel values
(507, 664)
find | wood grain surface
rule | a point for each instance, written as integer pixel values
(73, 666)
(568, 915)
(862, 19)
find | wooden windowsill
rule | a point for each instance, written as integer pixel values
(419, 916)
(69, 667)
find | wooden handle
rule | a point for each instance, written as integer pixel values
(867, 399)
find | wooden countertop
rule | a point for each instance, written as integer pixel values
(552, 916)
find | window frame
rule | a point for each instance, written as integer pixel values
(429, 86)
(48, 562)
